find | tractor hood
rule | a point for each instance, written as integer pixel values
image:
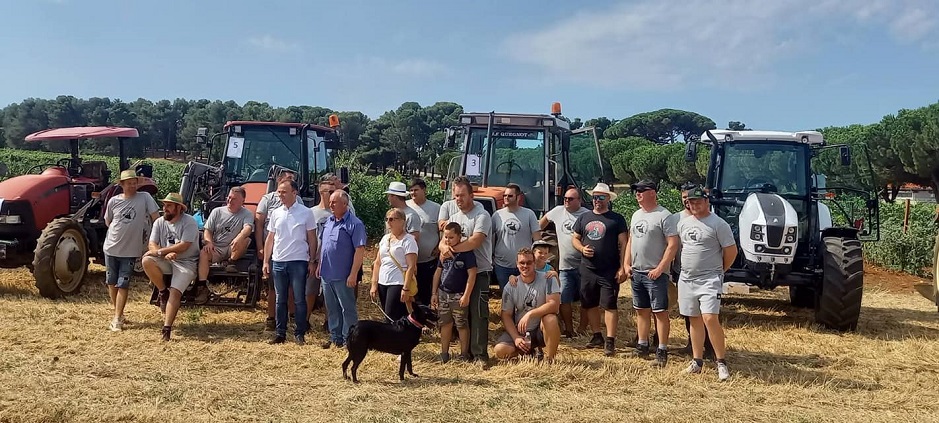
(30, 187)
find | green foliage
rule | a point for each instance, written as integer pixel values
(371, 203)
(166, 174)
(662, 126)
(669, 197)
(910, 252)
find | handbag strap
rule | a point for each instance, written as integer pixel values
(392, 255)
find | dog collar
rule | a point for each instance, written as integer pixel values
(415, 323)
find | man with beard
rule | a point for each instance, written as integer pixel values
(513, 227)
(563, 218)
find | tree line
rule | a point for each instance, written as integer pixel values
(903, 148)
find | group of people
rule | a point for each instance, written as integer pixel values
(445, 255)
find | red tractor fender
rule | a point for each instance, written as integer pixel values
(48, 195)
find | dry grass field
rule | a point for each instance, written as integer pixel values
(59, 363)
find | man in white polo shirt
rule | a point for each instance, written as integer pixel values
(289, 258)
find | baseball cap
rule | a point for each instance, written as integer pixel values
(644, 185)
(696, 192)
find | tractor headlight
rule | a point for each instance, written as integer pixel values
(11, 219)
(757, 229)
(790, 239)
(756, 236)
(791, 230)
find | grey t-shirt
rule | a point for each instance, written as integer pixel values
(512, 231)
(649, 232)
(449, 207)
(430, 234)
(703, 242)
(673, 220)
(523, 297)
(320, 215)
(564, 226)
(130, 221)
(477, 220)
(269, 202)
(226, 225)
(166, 234)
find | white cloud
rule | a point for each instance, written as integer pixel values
(271, 43)
(409, 67)
(732, 43)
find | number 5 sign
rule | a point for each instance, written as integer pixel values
(236, 146)
(472, 165)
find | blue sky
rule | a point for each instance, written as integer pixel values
(787, 65)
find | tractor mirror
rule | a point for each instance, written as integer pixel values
(344, 175)
(202, 134)
(691, 151)
(566, 142)
(845, 153)
(451, 139)
(4, 170)
(331, 141)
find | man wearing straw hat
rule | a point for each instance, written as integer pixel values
(126, 217)
(601, 237)
(174, 250)
(397, 194)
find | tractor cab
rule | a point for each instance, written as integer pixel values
(540, 153)
(780, 211)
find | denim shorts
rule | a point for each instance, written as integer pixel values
(119, 271)
(648, 293)
(570, 285)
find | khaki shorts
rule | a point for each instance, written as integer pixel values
(183, 272)
(220, 253)
(449, 310)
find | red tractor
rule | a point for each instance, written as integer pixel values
(51, 218)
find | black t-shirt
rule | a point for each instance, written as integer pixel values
(454, 276)
(601, 231)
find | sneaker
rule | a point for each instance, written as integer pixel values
(270, 324)
(641, 351)
(444, 357)
(723, 373)
(661, 357)
(596, 341)
(166, 333)
(693, 368)
(277, 340)
(164, 298)
(116, 325)
(609, 347)
(299, 339)
(202, 295)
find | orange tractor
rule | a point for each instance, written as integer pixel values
(51, 218)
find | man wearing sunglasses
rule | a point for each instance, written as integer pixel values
(569, 260)
(653, 242)
(601, 237)
(513, 227)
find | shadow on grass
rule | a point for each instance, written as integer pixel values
(802, 370)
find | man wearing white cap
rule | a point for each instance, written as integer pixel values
(601, 237)
(397, 194)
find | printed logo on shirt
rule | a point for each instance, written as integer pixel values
(691, 235)
(641, 228)
(568, 226)
(128, 214)
(512, 225)
(595, 230)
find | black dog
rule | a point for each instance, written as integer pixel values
(399, 337)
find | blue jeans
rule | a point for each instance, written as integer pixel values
(649, 293)
(119, 271)
(287, 275)
(502, 274)
(570, 285)
(340, 305)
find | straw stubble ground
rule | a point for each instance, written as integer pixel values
(59, 363)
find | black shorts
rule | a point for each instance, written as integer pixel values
(598, 289)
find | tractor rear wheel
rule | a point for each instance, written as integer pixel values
(61, 258)
(802, 296)
(839, 302)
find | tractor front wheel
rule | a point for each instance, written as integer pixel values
(838, 305)
(61, 258)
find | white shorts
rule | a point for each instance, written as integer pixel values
(700, 296)
(183, 272)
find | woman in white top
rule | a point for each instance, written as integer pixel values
(387, 276)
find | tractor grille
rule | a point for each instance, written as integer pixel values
(774, 235)
(26, 229)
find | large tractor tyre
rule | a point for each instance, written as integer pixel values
(802, 296)
(838, 304)
(61, 258)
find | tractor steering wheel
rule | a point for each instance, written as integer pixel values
(511, 164)
(759, 183)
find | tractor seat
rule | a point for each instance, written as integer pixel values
(97, 171)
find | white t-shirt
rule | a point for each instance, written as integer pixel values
(290, 227)
(388, 272)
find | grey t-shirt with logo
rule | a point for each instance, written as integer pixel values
(429, 212)
(673, 220)
(166, 234)
(512, 231)
(649, 232)
(703, 242)
(130, 221)
(226, 225)
(477, 220)
(523, 297)
(564, 226)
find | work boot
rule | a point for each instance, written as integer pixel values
(166, 333)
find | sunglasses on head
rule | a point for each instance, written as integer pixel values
(600, 197)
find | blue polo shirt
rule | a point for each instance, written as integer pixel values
(338, 241)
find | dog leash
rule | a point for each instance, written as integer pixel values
(382, 310)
